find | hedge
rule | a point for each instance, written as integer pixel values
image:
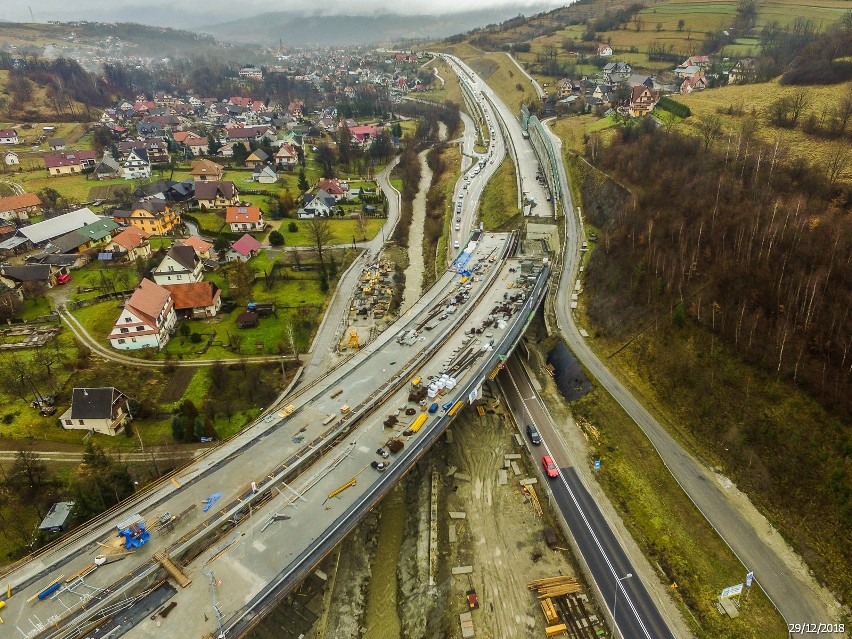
(674, 107)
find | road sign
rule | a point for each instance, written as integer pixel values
(749, 578)
(731, 591)
(597, 464)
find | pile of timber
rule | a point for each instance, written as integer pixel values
(554, 586)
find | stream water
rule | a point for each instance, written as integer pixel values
(381, 619)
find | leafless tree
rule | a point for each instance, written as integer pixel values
(319, 230)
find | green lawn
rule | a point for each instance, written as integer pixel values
(36, 308)
(499, 208)
(342, 231)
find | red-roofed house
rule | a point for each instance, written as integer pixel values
(20, 207)
(8, 136)
(133, 241)
(69, 162)
(201, 248)
(334, 187)
(244, 218)
(364, 134)
(295, 108)
(243, 249)
(197, 300)
(287, 156)
(147, 319)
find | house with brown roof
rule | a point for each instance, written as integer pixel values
(155, 217)
(195, 300)
(180, 265)
(286, 156)
(333, 187)
(256, 159)
(133, 242)
(147, 320)
(8, 136)
(69, 162)
(642, 101)
(216, 195)
(201, 248)
(20, 207)
(206, 171)
(244, 218)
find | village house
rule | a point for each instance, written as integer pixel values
(8, 136)
(642, 101)
(155, 217)
(264, 175)
(319, 204)
(243, 249)
(42, 232)
(334, 187)
(244, 218)
(743, 71)
(604, 50)
(99, 410)
(180, 265)
(136, 165)
(147, 319)
(617, 72)
(206, 171)
(201, 248)
(18, 277)
(197, 146)
(20, 207)
(69, 162)
(132, 242)
(256, 159)
(286, 156)
(108, 168)
(56, 144)
(216, 195)
(10, 158)
(195, 300)
(251, 73)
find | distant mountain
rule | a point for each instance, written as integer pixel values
(299, 30)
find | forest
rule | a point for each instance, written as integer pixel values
(736, 263)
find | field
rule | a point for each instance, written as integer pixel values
(450, 89)
(753, 100)
(343, 231)
(499, 208)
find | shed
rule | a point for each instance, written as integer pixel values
(247, 320)
(57, 517)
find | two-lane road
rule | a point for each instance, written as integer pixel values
(636, 613)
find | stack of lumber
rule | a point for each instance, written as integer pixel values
(549, 610)
(554, 586)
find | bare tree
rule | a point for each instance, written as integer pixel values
(709, 128)
(319, 230)
(838, 162)
(290, 334)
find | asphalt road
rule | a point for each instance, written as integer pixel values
(636, 613)
(778, 571)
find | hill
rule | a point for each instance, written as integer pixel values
(86, 41)
(297, 29)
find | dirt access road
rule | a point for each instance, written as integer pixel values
(501, 535)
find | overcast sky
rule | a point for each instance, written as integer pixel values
(192, 13)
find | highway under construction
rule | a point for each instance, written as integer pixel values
(257, 514)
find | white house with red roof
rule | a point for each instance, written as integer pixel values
(244, 218)
(147, 319)
(243, 249)
(132, 241)
(8, 136)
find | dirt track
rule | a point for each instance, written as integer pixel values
(500, 537)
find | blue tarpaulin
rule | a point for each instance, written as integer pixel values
(104, 256)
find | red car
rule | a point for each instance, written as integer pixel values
(550, 468)
(64, 278)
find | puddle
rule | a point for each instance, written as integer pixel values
(568, 374)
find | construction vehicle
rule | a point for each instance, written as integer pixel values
(395, 445)
(287, 411)
(380, 466)
(353, 339)
(472, 599)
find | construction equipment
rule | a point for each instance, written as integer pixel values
(287, 411)
(549, 610)
(353, 339)
(134, 532)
